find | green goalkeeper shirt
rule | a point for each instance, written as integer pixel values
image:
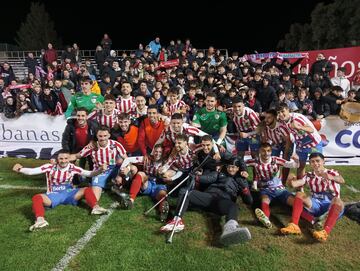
(210, 122)
(82, 100)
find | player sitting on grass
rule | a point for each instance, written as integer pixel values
(144, 181)
(60, 189)
(324, 186)
(267, 178)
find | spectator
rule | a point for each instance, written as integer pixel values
(53, 104)
(76, 52)
(155, 46)
(31, 63)
(50, 55)
(321, 66)
(23, 105)
(100, 56)
(106, 43)
(68, 54)
(335, 100)
(7, 73)
(10, 107)
(341, 81)
(36, 98)
(320, 106)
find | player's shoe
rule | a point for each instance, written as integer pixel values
(291, 228)
(40, 223)
(260, 215)
(125, 201)
(233, 234)
(170, 225)
(321, 236)
(97, 210)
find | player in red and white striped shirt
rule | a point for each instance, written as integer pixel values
(277, 134)
(145, 181)
(105, 152)
(60, 189)
(267, 178)
(324, 186)
(108, 115)
(177, 127)
(246, 121)
(175, 105)
(125, 103)
(306, 137)
(182, 160)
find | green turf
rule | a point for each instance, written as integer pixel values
(130, 241)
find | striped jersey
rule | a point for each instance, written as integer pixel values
(56, 175)
(173, 108)
(104, 155)
(186, 129)
(303, 139)
(267, 173)
(126, 105)
(277, 135)
(247, 122)
(319, 185)
(181, 161)
(103, 119)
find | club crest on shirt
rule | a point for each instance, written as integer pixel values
(93, 100)
(217, 116)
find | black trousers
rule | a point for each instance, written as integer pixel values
(210, 202)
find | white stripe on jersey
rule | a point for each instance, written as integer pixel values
(319, 185)
(266, 171)
(247, 122)
(181, 161)
(125, 105)
(55, 175)
(151, 168)
(177, 106)
(299, 135)
(104, 155)
(186, 129)
(275, 136)
(105, 120)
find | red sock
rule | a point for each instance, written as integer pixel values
(90, 197)
(265, 208)
(38, 205)
(297, 210)
(135, 186)
(333, 215)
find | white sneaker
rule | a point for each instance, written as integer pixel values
(169, 226)
(263, 218)
(234, 234)
(97, 210)
(40, 223)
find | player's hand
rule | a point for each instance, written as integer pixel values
(296, 125)
(244, 135)
(17, 167)
(125, 171)
(325, 175)
(103, 167)
(146, 159)
(295, 157)
(217, 156)
(244, 174)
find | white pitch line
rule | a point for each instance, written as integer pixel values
(81, 243)
(353, 189)
(9, 186)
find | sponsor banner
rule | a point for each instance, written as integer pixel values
(31, 136)
(340, 57)
(39, 136)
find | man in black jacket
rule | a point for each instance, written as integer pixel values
(78, 133)
(321, 66)
(220, 198)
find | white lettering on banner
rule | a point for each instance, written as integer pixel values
(31, 136)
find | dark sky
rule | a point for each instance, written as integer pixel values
(252, 26)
